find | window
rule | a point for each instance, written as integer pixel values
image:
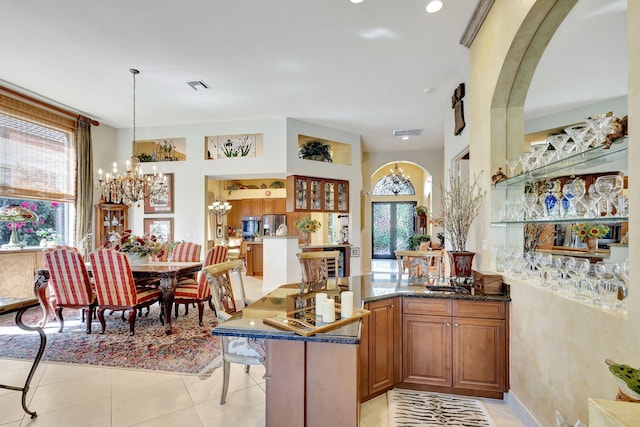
(37, 170)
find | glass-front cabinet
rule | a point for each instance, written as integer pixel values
(317, 194)
(110, 218)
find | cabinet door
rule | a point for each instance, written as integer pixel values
(110, 218)
(315, 194)
(342, 196)
(329, 196)
(268, 206)
(279, 206)
(257, 260)
(245, 208)
(234, 217)
(382, 353)
(256, 207)
(479, 354)
(427, 350)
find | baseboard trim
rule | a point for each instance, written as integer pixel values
(521, 411)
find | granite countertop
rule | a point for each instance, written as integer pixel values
(248, 323)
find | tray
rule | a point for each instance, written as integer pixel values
(304, 321)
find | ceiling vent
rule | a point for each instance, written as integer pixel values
(410, 132)
(198, 85)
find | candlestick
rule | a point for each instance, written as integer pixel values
(329, 311)
(346, 304)
(320, 298)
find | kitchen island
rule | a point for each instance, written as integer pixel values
(323, 378)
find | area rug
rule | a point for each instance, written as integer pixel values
(190, 349)
(419, 408)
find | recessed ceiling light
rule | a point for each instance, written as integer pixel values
(356, 1)
(433, 6)
(429, 90)
(198, 85)
(405, 138)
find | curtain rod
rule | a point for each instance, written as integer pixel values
(49, 106)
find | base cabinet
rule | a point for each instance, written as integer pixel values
(455, 346)
(254, 259)
(380, 348)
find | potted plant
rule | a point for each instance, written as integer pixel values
(416, 239)
(307, 225)
(315, 150)
(461, 204)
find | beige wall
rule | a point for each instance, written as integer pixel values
(558, 346)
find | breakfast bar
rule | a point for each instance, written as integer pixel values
(318, 379)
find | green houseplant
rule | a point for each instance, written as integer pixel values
(416, 239)
(315, 150)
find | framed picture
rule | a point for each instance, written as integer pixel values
(162, 150)
(162, 204)
(219, 232)
(162, 228)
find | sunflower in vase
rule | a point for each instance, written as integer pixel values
(307, 225)
(590, 230)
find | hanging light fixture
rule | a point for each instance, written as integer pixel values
(132, 187)
(397, 180)
(219, 207)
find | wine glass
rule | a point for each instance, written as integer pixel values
(578, 134)
(558, 141)
(531, 199)
(609, 186)
(524, 160)
(512, 164)
(601, 126)
(595, 197)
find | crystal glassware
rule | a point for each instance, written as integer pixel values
(601, 126)
(558, 142)
(579, 134)
(512, 164)
(609, 186)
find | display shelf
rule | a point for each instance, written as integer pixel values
(575, 163)
(603, 219)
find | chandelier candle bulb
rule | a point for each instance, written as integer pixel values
(329, 311)
(346, 304)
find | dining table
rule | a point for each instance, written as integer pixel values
(167, 272)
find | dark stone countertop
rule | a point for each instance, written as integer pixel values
(248, 323)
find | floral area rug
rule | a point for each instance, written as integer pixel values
(190, 349)
(420, 408)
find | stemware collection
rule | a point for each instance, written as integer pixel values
(604, 284)
(575, 139)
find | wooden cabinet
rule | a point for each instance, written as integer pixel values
(110, 218)
(274, 206)
(251, 207)
(456, 346)
(380, 348)
(307, 194)
(234, 217)
(254, 259)
(18, 270)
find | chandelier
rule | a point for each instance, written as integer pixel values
(398, 182)
(219, 207)
(134, 186)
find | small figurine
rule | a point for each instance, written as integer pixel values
(499, 176)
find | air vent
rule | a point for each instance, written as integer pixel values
(410, 132)
(198, 85)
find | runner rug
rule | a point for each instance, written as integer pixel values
(190, 349)
(419, 408)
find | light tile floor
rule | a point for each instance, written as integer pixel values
(83, 396)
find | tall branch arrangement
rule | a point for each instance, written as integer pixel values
(461, 204)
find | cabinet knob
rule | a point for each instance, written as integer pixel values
(456, 325)
(448, 324)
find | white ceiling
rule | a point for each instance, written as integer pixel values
(358, 67)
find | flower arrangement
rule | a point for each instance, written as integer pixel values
(308, 224)
(590, 230)
(49, 234)
(141, 245)
(461, 204)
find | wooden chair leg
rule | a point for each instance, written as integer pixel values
(246, 368)
(200, 312)
(132, 321)
(60, 319)
(226, 367)
(101, 319)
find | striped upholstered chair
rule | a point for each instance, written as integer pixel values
(200, 292)
(69, 283)
(116, 289)
(186, 252)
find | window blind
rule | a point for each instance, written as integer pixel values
(37, 153)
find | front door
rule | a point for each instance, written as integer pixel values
(393, 226)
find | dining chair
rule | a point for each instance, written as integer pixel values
(319, 270)
(69, 283)
(240, 253)
(242, 350)
(186, 252)
(116, 289)
(187, 293)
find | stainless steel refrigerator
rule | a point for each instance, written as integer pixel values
(270, 224)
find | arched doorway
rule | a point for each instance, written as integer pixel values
(397, 188)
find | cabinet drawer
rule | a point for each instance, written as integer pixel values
(487, 310)
(434, 307)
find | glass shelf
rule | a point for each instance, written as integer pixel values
(603, 219)
(569, 165)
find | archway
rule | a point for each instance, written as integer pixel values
(396, 189)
